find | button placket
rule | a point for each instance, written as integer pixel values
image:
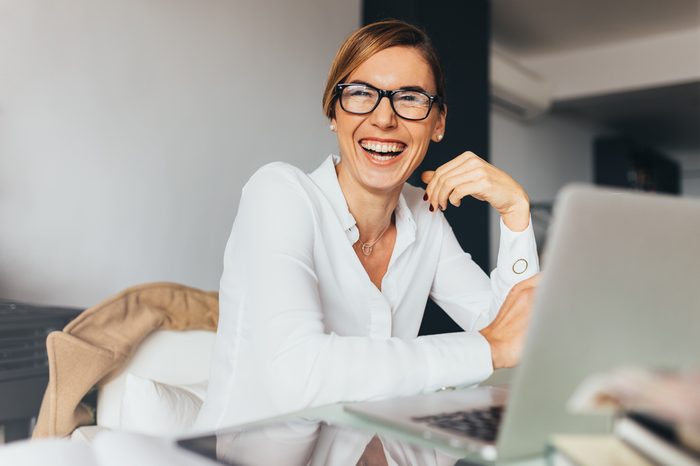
(380, 312)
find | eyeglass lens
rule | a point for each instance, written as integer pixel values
(361, 99)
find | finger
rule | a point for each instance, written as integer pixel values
(447, 192)
(448, 184)
(438, 189)
(427, 175)
(446, 167)
(473, 188)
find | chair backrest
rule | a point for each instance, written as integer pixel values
(166, 356)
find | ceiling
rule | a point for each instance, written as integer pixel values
(667, 117)
(534, 27)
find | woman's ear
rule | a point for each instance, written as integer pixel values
(439, 131)
(333, 126)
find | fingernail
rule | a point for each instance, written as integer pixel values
(431, 207)
(425, 196)
(442, 208)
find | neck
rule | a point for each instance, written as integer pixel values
(372, 210)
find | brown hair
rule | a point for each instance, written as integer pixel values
(373, 38)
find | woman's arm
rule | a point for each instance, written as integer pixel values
(460, 287)
(464, 290)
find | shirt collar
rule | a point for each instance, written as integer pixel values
(326, 179)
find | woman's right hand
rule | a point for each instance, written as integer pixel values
(506, 334)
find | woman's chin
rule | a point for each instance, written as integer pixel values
(382, 182)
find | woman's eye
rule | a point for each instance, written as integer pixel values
(359, 93)
(412, 98)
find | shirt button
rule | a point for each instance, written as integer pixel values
(519, 266)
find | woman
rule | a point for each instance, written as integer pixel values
(326, 275)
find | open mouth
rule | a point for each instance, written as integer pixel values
(382, 151)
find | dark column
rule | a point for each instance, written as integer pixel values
(460, 32)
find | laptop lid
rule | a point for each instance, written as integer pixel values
(621, 287)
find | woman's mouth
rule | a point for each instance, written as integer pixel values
(382, 151)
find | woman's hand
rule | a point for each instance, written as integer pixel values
(506, 334)
(470, 175)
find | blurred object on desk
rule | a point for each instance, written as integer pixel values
(660, 410)
(592, 450)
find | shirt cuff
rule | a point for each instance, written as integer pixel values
(455, 359)
(517, 254)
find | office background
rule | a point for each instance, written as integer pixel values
(127, 129)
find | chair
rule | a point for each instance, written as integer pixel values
(170, 357)
(99, 349)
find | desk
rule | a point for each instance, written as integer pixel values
(335, 415)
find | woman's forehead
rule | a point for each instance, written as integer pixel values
(394, 68)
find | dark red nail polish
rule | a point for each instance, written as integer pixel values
(431, 207)
(425, 196)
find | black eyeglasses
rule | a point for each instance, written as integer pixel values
(361, 99)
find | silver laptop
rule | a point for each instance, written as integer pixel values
(620, 287)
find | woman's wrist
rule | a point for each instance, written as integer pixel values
(495, 349)
(517, 217)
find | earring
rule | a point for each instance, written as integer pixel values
(439, 137)
(332, 127)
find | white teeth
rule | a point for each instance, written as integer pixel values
(381, 147)
(382, 157)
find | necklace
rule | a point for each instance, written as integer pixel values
(367, 247)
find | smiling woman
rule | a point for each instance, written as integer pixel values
(326, 274)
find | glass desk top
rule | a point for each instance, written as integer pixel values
(327, 435)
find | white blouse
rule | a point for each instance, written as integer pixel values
(301, 324)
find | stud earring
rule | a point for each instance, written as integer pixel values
(332, 127)
(439, 137)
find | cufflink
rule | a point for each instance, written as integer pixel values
(519, 266)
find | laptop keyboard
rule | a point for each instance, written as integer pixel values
(480, 423)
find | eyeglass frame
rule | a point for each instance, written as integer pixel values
(389, 95)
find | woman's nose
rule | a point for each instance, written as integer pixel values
(383, 116)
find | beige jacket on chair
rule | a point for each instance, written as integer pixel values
(94, 346)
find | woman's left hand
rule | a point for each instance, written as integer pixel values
(470, 175)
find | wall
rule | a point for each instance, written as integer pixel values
(690, 171)
(128, 128)
(542, 155)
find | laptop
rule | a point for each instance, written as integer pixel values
(620, 287)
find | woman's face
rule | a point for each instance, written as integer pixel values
(361, 167)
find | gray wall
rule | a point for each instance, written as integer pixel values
(542, 155)
(690, 171)
(128, 128)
